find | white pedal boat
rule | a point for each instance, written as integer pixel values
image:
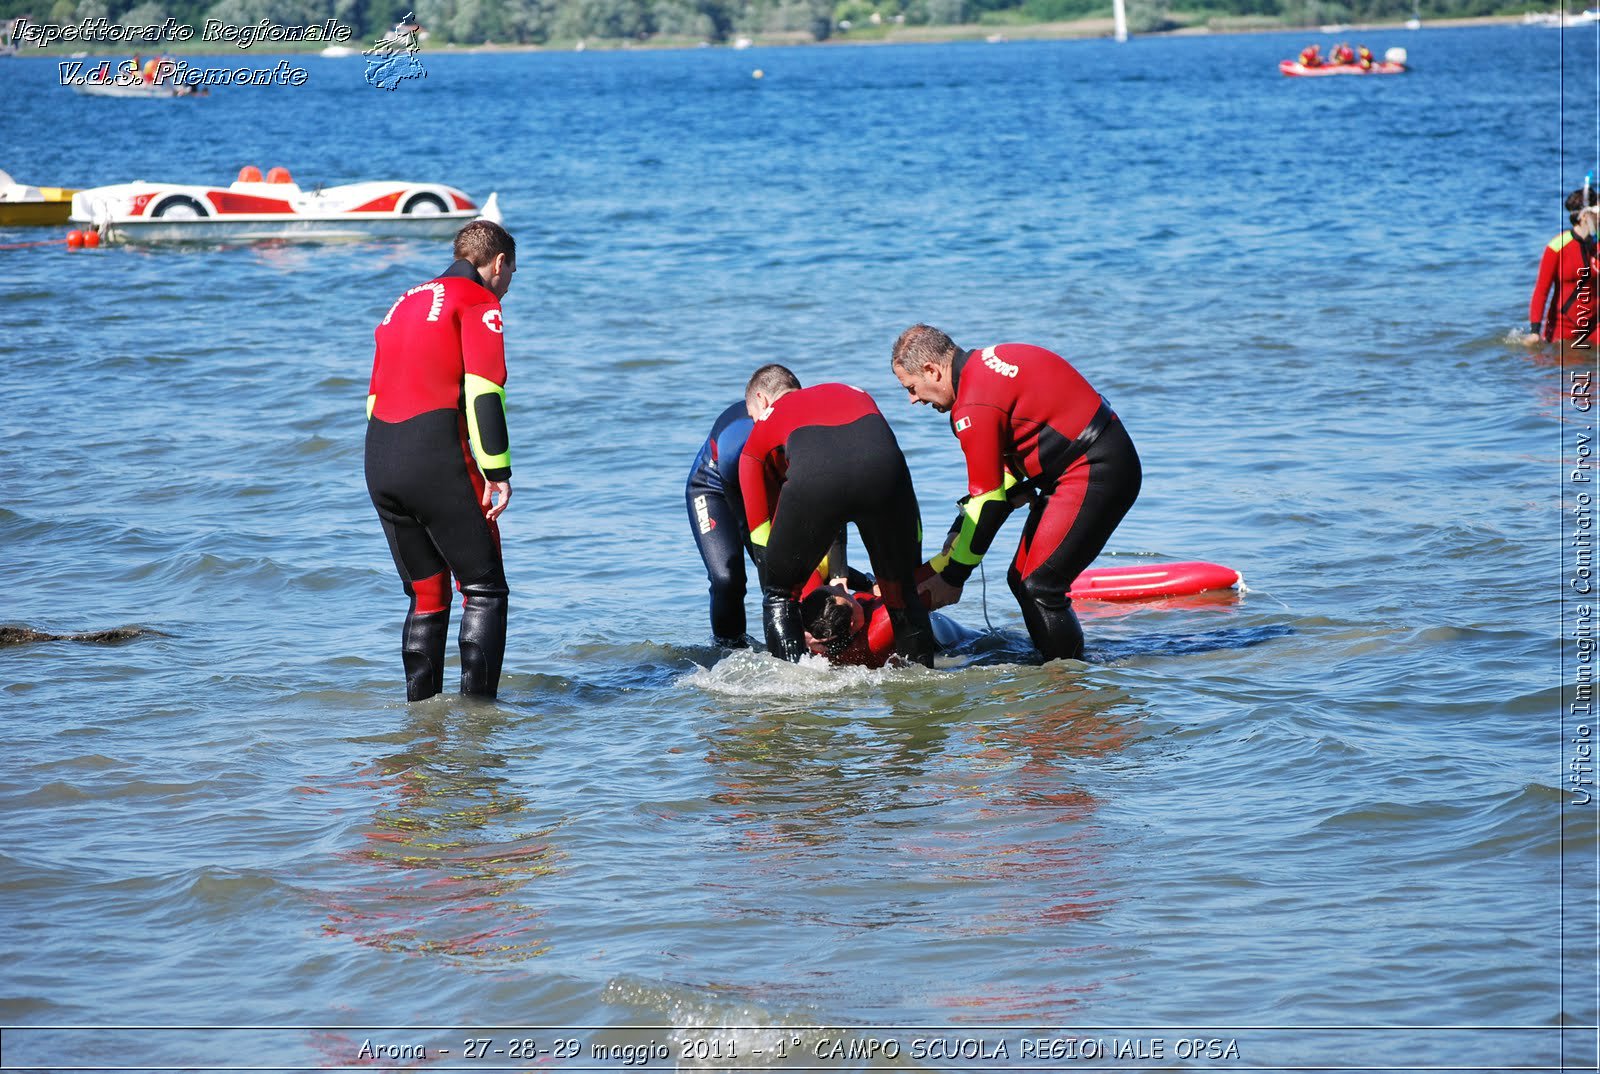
(253, 209)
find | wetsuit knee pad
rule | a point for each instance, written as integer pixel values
(492, 584)
(483, 635)
(1037, 590)
(1037, 599)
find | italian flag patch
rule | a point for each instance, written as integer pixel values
(962, 423)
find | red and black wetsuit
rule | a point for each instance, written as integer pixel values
(436, 418)
(821, 457)
(1024, 416)
(1563, 304)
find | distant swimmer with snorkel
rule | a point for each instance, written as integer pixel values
(438, 458)
(1562, 309)
(816, 459)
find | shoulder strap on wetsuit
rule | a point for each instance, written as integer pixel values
(1586, 251)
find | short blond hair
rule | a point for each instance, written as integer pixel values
(771, 379)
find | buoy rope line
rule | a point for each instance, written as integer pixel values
(25, 245)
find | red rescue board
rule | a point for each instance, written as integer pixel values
(1151, 580)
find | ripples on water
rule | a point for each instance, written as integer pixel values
(1328, 800)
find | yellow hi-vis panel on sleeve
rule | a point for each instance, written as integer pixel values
(476, 388)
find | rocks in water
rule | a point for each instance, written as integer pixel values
(22, 635)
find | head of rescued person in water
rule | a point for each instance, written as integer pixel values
(832, 618)
(766, 386)
(491, 250)
(924, 363)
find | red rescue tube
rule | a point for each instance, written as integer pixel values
(1151, 580)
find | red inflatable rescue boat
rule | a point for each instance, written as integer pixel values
(1152, 580)
(1295, 69)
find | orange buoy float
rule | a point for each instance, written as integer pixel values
(74, 239)
(249, 174)
(91, 239)
(279, 175)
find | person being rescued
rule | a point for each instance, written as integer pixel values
(1311, 56)
(849, 625)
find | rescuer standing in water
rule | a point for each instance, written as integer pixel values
(817, 458)
(438, 458)
(716, 518)
(1033, 431)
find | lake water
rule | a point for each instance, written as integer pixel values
(1328, 822)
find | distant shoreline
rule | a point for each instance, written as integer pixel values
(1073, 30)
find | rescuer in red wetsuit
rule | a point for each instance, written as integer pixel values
(1364, 58)
(816, 459)
(438, 458)
(1563, 306)
(1031, 427)
(1343, 54)
(1311, 56)
(716, 518)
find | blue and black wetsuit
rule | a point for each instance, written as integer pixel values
(716, 517)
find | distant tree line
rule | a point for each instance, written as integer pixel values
(474, 22)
